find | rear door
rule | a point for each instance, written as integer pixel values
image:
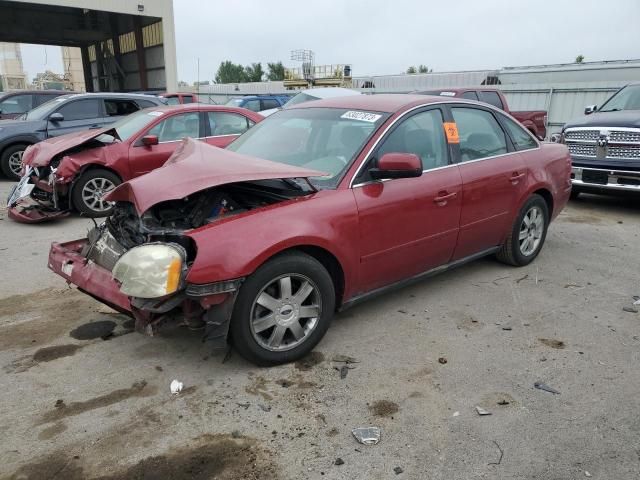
(81, 114)
(408, 226)
(221, 128)
(170, 131)
(493, 179)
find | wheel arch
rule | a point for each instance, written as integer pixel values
(548, 198)
(326, 258)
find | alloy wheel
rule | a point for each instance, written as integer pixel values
(93, 191)
(285, 312)
(531, 230)
(15, 162)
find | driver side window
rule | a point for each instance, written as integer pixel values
(177, 127)
(421, 134)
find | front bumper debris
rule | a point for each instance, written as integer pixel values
(66, 260)
(209, 309)
(33, 200)
(601, 179)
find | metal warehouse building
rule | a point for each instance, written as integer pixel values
(126, 45)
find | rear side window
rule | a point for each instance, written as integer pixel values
(470, 95)
(81, 109)
(17, 104)
(269, 104)
(520, 137)
(252, 105)
(224, 123)
(173, 101)
(492, 98)
(187, 99)
(145, 103)
(480, 134)
(118, 108)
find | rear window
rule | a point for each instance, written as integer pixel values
(492, 98)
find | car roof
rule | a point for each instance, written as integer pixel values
(197, 107)
(389, 103)
(330, 92)
(112, 95)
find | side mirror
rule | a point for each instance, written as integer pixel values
(149, 140)
(397, 165)
(56, 117)
(589, 109)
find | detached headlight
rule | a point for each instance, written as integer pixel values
(150, 271)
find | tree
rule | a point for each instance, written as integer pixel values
(275, 71)
(254, 72)
(580, 59)
(411, 70)
(424, 69)
(229, 72)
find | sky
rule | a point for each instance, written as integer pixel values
(380, 37)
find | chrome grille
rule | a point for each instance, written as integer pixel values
(582, 135)
(624, 136)
(614, 151)
(582, 150)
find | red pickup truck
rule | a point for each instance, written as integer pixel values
(534, 120)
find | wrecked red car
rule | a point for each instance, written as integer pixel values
(354, 196)
(73, 172)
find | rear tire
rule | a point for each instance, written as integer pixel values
(283, 310)
(528, 233)
(11, 161)
(88, 191)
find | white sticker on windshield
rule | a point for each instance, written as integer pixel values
(447, 94)
(362, 116)
(155, 114)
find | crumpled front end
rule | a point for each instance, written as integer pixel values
(38, 196)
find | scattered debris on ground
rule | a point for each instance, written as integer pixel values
(176, 387)
(630, 309)
(338, 461)
(553, 343)
(481, 411)
(383, 408)
(367, 435)
(501, 455)
(546, 388)
(442, 360)
(397, 470)
(344, 359)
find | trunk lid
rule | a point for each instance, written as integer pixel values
(196, 166)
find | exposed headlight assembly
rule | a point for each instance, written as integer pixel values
(150, 271)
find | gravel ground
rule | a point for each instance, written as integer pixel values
(76, 406)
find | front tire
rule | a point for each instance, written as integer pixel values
(528, 233)
(283, 310)
(90, 188)
(11, 161)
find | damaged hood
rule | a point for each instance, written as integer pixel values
(40, 154)
(196, 166)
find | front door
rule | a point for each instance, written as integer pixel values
(493, 177)
(82, 114)
(408, 226)
(170, 131)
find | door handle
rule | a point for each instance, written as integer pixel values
(515, 177)
(442, 197)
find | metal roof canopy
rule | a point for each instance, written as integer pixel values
(64, 26)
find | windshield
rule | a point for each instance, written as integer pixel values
(131, 124)
(323, 139)
(234, 102)
(44, 110)
(300, 98)
(626, 99)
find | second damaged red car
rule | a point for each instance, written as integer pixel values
(358, 195)
(73, 172)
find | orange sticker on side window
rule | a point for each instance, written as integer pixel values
(451, 129)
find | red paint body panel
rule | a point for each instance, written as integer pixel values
(66, 261)
(403, 230)
(490, 195)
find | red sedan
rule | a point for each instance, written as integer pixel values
(353, 196)
(74, 171)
